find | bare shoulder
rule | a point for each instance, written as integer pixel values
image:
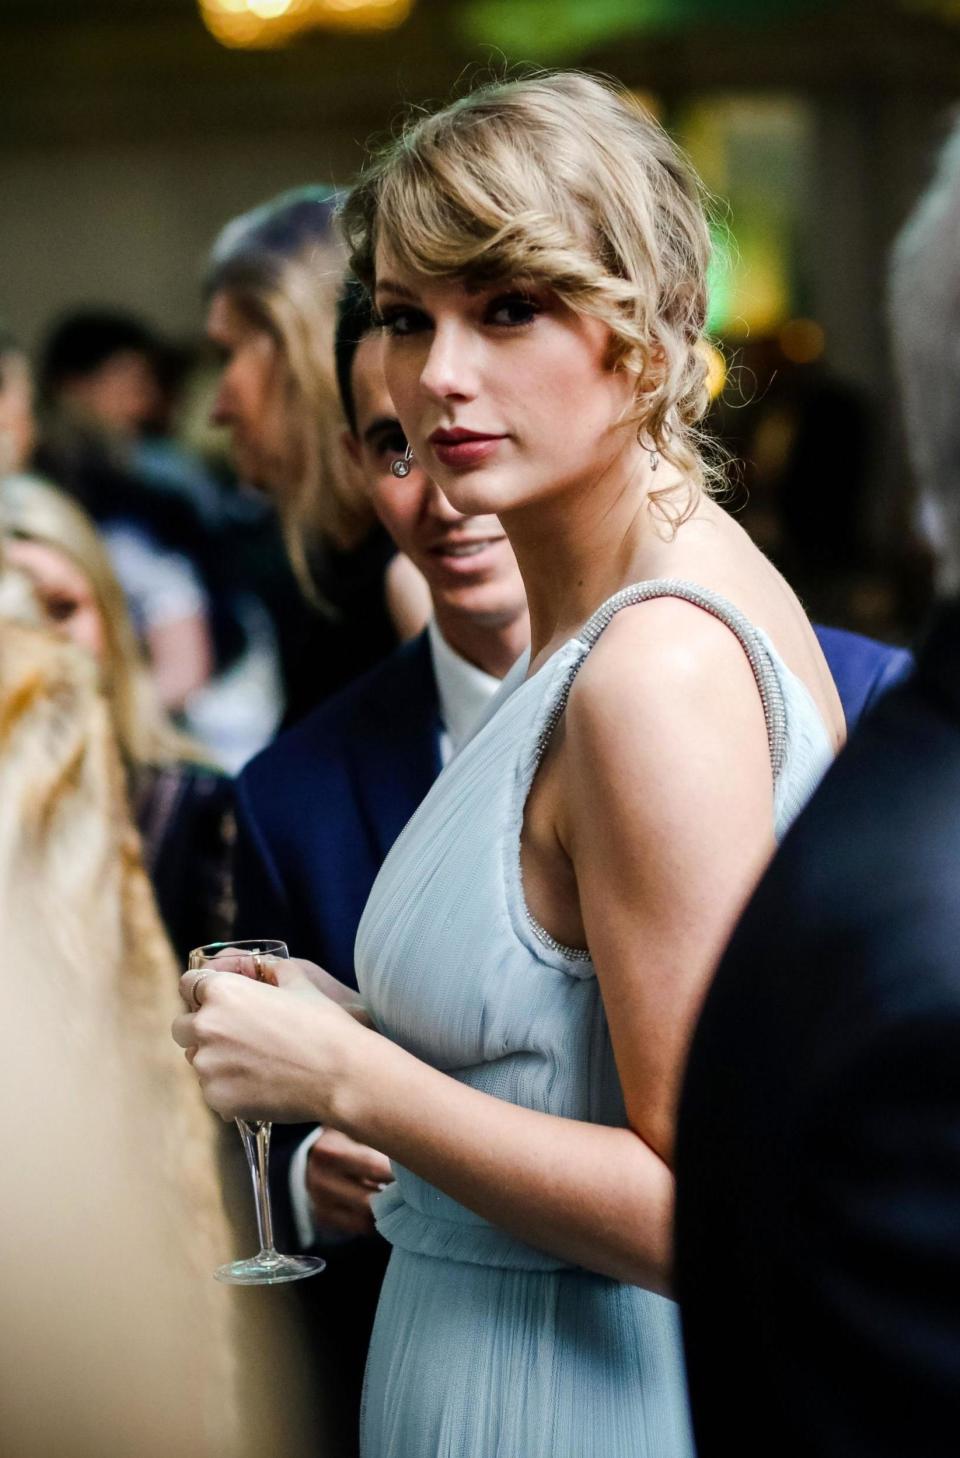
(660, 663)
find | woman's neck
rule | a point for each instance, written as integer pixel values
(582, 546)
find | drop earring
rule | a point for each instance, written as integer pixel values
(402, 465)
(651, 451)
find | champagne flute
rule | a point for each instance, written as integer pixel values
(268, 1267)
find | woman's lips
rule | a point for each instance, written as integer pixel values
(463, 451)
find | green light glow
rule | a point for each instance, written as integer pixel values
(553, 31)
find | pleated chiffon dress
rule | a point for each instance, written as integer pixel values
(483, 1346)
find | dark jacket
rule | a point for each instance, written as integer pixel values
(184, 813)
(818, 1158)
(318, 810)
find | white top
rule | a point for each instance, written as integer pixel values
(464, 692)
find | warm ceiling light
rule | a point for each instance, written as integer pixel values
(270, 9)
(362, 14)
(266, 23)
(255, 22)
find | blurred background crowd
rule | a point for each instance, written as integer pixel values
(192, 524)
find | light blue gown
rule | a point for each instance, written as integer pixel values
(485, 1347)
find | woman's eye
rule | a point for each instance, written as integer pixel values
(402, 321)
(60, 609)
(511, 310)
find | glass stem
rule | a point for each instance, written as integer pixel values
(256, 1144)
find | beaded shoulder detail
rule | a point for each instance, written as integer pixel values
(750, 639)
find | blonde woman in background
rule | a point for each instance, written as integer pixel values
(181, 804)
(272, 283)
(115, 1340)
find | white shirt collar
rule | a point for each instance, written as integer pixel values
(463, 689)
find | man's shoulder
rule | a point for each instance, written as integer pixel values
(883, 828)
(863, 668)
(402, 683)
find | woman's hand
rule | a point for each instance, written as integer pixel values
(293, 974)
(265, 1052)
(297, 974)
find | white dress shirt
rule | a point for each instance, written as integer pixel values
(464, 691)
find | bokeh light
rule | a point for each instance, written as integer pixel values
(802, 341)
(264, 24)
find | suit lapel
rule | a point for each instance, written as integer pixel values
(395, 756)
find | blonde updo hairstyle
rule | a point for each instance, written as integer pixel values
(562, 180)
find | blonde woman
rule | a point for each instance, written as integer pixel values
(182, 805)
(115, 1338)
(271, 287)
(536, 947)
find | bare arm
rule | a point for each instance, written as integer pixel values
(668, 821)
(669, 827)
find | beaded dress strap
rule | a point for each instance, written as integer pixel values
(758, 655)
(749, 637)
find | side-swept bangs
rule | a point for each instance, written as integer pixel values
(564, 181)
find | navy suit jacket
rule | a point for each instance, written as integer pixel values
(320, 808)
(863, 669)
(818, 1155)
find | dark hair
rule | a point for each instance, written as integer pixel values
(355, 320)
(250, 252)
(80, 343)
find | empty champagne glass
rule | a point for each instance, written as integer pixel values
(268, 1267)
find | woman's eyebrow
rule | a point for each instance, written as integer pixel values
(389, 286)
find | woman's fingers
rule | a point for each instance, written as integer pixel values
(195, 984)
(295, 971)
(184, 1032)
(263, 1052)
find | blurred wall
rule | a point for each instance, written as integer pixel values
(127, 135)
(128, 223)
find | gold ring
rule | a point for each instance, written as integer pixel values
(196, 988)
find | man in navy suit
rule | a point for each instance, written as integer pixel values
(818, 1157)
(318, 811)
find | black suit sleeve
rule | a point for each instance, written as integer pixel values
(880, 1209)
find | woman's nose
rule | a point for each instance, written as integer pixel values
(449, 370)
